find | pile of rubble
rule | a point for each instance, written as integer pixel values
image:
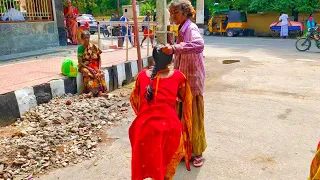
(62, 132)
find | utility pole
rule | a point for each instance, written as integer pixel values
(136, 33)
(161, 22)
(200, 15)
(118, 8)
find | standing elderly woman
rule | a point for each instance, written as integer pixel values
(89, 61)
(71, 13)
(188, 53)
(284, 33)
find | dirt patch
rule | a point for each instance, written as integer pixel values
(8, 131)
(285, 114)
(264, 159)
(230, 61)
(269, 92)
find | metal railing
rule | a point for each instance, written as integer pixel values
(129, 25)
(31, 10)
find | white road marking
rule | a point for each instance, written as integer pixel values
(274, 58)
(309, 60)
(232, 44)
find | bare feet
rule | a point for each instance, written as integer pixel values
(89, 95)
(101, 94)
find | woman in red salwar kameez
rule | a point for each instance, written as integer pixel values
(159, 140)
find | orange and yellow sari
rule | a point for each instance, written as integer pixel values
(315, 166)
(93, 77)
(71, 14)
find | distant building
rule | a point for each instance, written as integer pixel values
(127, 11)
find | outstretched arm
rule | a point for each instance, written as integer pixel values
(195, 46)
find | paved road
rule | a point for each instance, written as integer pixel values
(282, 48)
(262, 116)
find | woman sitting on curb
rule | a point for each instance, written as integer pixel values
(89, 61)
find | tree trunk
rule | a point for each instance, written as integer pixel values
(295, 15)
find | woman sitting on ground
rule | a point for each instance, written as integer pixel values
(159, 140)
(89, 61)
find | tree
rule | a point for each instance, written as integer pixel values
(108, 5)
(243, 5)
(302, 6)
(87, 5)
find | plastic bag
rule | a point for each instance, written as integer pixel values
(69, 68)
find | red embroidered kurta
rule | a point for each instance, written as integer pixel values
(156, 132)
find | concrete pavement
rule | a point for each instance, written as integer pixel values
(36, 70)
(262, 116)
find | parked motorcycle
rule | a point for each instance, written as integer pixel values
(304, 44)
(115, 31)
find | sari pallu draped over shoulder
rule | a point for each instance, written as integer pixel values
(70, 14)
(315, 166)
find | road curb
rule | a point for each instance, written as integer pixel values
(14, 104)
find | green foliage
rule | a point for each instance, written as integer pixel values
(148, 6)
(243, 5)
(98, 7)
(304, 6)
(109, 6)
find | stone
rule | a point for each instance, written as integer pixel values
(20, 161)
(66, 115)
(68, 102)
(58, 121)
(4, 160)
(58, 134)
(123, 109)
(64, 164)
(31, 155)
(16, 172)
(113, 115)
(95, 123)
(117, 119)
(110, 118)
(22, 145)
(33, 125)
(74, 130)
(46, 164)
(44, 122)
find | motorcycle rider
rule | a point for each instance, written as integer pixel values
(109, 27)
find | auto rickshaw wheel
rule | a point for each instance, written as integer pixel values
(207, 32)
(230, 33)
(275, 34)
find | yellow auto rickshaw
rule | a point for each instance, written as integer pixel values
(232, 23)
(174, 29)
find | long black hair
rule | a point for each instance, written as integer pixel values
(149, 94)
(161, 61)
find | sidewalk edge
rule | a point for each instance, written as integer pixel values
(14, 104)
